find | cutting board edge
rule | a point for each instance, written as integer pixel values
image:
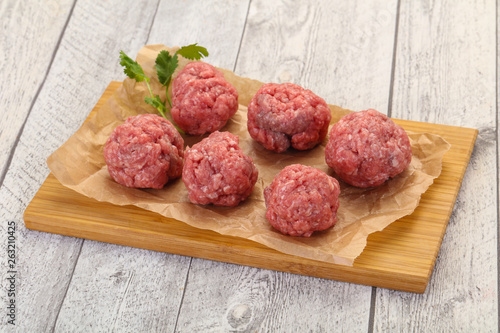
(227, 254)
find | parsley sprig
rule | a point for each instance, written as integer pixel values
(165, 66)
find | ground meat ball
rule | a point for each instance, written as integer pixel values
(301, 200)
(202, 99)
(367, 148)
(280, 115)
(144, 152)
(216, 171)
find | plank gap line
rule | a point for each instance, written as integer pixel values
(394, 54)
(125, 293)
(183, 293)
(497, 161)
(67, 286)
(242, 35)
(35, 98)
(153, 21)
(371, 318)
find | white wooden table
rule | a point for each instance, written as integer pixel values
(424, 61)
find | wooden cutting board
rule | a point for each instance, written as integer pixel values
(400, 257)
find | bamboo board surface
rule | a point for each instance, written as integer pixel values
(400, 257)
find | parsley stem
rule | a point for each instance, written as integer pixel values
(162, 113)
(168, 99)
(149, 88)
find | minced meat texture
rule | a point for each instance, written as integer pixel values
(284, 115)
(202, 99)
(367, 148)
(217, 171)
(301, 200)
(144, 152)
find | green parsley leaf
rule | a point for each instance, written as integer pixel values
(132, 68)
(156, 103)
(160, 106)
(193, 52)
(165, 67)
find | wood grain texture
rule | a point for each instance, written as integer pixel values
(440, 78)
(29, 32)
(217, 25)
(84, 62)
(116, 288)
(267, 301)
(342, 51)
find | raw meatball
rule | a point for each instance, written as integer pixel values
(301, 200)
(144, 152)
(216, 171)
(280, 115)
(202, 99)
(367, 148)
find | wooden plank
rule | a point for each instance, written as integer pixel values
(217, 25)
(445, 73)
(25, 61)
(256, 300)
(342, 51)
(116, 288)
(394, 258)
(30, 33)
(82, 65)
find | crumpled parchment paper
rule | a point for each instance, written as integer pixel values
(79, 165)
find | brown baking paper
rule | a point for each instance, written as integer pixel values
(79, 165)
